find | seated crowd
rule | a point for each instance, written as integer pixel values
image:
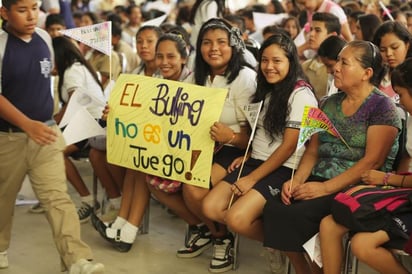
(350, 60)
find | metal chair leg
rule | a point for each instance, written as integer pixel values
(235, 252)
(144, 227)
(95, 189)
(347, 258)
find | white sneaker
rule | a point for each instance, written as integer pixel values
(84, 266)
(4, 261)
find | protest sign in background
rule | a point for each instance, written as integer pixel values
(161, 127)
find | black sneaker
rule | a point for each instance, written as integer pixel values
(85, 211)
(198, 240)
(222, 260)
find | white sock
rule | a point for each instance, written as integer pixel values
(127, 233)
(88, 200)
(115, 202)
(118, 223)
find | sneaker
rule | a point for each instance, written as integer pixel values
(4, 261)
(198, 240)
(277, 261)
(37, 208)
(85, 211)
(84, 266)
(222, 260)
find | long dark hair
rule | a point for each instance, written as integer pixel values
(220, 9)
(202, 69)
(66, 54)
(401, 75)
(278, 110)
(396, 28)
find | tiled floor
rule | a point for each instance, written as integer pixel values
(32, 250)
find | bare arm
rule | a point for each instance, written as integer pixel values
(307, 162)
(223, 134)
(379, 142)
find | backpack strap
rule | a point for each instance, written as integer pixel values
(302, 83)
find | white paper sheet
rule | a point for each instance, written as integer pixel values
(312, 247)
(82, 126)
(80, 100)
(262, 20)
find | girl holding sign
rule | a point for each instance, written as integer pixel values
(219, 63)
(282, 86)
(170, 58)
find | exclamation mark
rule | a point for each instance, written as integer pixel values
(193, 160)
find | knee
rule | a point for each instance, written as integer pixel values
(360, 248)
(327, 225)
(209, 209)
(235, 221)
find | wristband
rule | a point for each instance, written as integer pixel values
(386, 178)
(403, 180)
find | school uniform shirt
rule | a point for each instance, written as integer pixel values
(317, 74)
(240, 93)
(263, 146)
(25, 74)
(78, 77)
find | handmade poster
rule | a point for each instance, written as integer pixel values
(161, 127)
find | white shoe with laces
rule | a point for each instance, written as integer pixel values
(222, 260)
(4, 261)
(84, 266)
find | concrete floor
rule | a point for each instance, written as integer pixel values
(32, 250)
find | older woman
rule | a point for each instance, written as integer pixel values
(368, 122)
(370, 247)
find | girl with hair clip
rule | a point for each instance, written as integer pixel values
(171, 58)
(219, 63)
(371, 248)
(75, 73)
(284, 88)
(368, 122)
(394, 42)
(146, 39)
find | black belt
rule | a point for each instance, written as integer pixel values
(11, 129)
